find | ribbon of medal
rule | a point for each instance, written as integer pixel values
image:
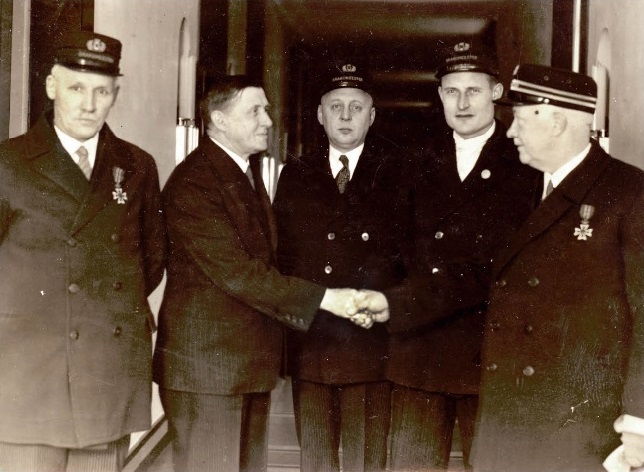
(584, 231)
(118, 194)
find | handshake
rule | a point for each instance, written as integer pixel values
(362, 307)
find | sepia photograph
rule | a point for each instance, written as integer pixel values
(321, 236)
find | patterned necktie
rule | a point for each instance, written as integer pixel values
(342, 179)
(83, 162)
(249, 174)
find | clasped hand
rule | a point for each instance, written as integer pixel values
(362, 307)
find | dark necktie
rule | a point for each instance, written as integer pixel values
(342, 179)
(549, 189)
(249, 174)
(83, 162)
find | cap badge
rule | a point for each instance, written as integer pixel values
(584, 231)
(96, 45)
(348, 68)
(461, 47)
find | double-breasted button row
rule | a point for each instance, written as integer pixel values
(75, 288)
(116, 332)
(364, 236)
(532, 282)
(528, 370)
(294, 319)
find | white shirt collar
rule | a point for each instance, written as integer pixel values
(71, 145)
(240, 161)
(469, 150)
(353, 156)
(557, 176)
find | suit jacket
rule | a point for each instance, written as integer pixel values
(564, 340)
(438, 313)
(77, 265)
(221, 323)
(353, 240)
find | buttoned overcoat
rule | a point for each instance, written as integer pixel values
(355, 239)
(225, 306)
(564, 339)
(438, 313)
(77, 265)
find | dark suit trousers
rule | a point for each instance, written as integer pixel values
(422, 426)
(40, 458)
(218, 433)
(356, 416)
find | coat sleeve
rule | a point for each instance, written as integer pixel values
(632, 240)
(201, 226)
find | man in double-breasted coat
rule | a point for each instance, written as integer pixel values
(221, 326)
(78, 255)
(564, 340)
(343, 232)
(471, 194)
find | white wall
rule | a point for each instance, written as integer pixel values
(624, 22)
(146, 110)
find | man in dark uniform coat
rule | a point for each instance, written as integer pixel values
(81, 248)
(471, 193)
(221, 324)
(564, 339)
(343, 226)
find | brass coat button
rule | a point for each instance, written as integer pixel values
(492, 367)
(330, 236)
(73, 288)
(439, 235)
(533, 281)
(501, 283)
(117, 331)
(73, 335)
(528, 371)
(71, 242)
(365, 236)
(328, 269)
(115, 238)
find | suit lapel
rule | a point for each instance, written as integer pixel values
(244, 206)
(268, 218)
(571, 192)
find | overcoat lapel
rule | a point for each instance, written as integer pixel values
(364, 179)
(570, 193)
(491, 163)
(48, 157)
(109, 156)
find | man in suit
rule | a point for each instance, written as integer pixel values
(221, 329)
(471, 193)
(82, 245)
(341, 223)
(564, 338)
